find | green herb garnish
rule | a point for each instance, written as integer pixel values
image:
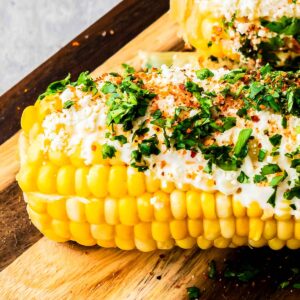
(243, 178)
(68, 104)
(108, 151)
(204, 74)
(275, 140)
(193, 293)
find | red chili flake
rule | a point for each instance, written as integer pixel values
(255, 118)
(94, 147)
(193, 154)
(75, 44)
(182, 86)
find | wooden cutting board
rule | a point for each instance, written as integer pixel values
(49, 270)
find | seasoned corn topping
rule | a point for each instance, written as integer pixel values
(237, 132)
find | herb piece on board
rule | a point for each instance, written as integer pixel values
(193, 293)
(212, 269)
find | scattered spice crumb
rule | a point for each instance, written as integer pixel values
(75, 44)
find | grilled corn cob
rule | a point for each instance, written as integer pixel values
(165, 157)
(244, 31)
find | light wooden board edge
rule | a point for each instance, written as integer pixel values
(165, 32)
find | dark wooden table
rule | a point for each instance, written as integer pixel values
(86, 52)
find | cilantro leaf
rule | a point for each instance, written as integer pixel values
(240, 149)
(68, 104)
(108, 151)
(272, 198)
(243, 178)
(193, 293)
(204, 74)
(262, 155)
(270, 169)
(275, 140)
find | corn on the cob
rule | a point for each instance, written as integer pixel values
(246, 31)
(85, 148)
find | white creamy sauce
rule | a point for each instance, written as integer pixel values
(252, 9)
(86, 124)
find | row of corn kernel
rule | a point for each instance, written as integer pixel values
(130, 211)
(143, 236)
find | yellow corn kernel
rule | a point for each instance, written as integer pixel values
(238, 209)
(211, 229)
(297, 230)
(161, 203)
(254, 210)
(242, 226)
(75, 209)
(160, 231)
(51, 234)
(128, 211)
(36, 203)
(222, 242)
(46, 179)
(94, 211)
(178, 229)
(103, 232)
(35, 153)
(61, 228)
(186, 243)
(152, 183)
(40, 221)
(106, 244)
(145, 208)
(167, 186)
(117, 181)
(208, 205)
(59, 158)
(178, 204)
(124, 244)
(111, 213)
(27, 177)
(223, 205)
(81, 233)
(259, 243)
(124, 231)
(239, 240)
(276, 244)
(34, 131)
(193, 203)
(80, 181)
(135, 182)
(142, 231)
(195, 227)
(165, 245)
(204, 243)
(97, 180)
(65, 180)
(183, 186)
(285, 212)
(293, 244)
(270, 229)
(28, 118)
(285, 229)
(256, 227)
(145, 245)
(227, 227)
(76, 158)
(57, 209)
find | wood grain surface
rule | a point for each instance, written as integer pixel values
(48, 270)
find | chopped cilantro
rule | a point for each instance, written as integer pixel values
(212, 269)
(284, 284)
(243, 178)
(293, 192)
(142, 130)
(204, 74)
(242, 112)
(240, 149)
(275, 140)
(88, 84)
(284, 122)
(262, 155)
(234, 76)
(255, 89)
(259, 178)
(272, 198)
(296, 285)
(295, 163)
(208, 167)
(55, 87)
(68, 104)
(293, 206)
(108, 151)
(270, 169)
(244, 272)
(128, 69)
(209, 44)
(265, 69)
(193, 293)
(286, 25)
(277, 179)
(121, 138)
(108, 88)
(149, 146)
